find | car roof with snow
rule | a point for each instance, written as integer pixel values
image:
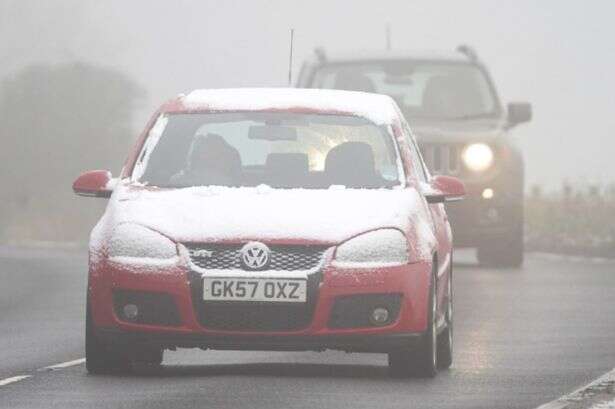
(377, 108)
(327, 57)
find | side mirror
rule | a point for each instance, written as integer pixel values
(519, 112)
(95, 183)
(445, 189)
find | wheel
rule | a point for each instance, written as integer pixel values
(445, 338)
(505, 252)
(101, 358)
(422, 360)
(148, 355)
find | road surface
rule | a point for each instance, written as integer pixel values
(523, 337)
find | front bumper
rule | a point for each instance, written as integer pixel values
(376, 343)
(410, 283)
(477, 220)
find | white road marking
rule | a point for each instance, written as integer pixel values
(573, 259)
(586, 392)
(14, 379)
(605, 405)
(64, 364)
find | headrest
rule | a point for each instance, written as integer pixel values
(353, 81)
(447, 95)
(351, 164)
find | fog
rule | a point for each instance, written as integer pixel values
(557, 55)
(79, 79)
(306, 220)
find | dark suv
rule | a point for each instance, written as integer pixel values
(452, 105)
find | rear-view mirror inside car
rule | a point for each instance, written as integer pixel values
(272, 133)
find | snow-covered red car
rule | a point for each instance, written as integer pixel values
(272, 219)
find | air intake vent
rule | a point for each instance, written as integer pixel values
(282, 257)
(442, 159)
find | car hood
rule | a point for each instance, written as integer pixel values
(457, 131)
(262, 213)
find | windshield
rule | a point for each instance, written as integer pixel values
(422, 90)
(282, 150)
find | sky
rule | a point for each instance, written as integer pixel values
(558, 55)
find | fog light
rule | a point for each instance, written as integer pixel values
(493, 215)
(488, 193)
(131, 312)
(379, 316)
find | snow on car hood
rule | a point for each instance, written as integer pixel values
(262, 213)
(456, 131)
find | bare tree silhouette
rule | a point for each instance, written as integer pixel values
(58, 120)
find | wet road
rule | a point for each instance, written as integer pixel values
(523, 337)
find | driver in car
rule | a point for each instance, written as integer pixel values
(212, 161)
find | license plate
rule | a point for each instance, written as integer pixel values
(257, 289)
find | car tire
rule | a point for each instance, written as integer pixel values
(103, 358)
(419, 361)
(445, 338)
(100, 357)
(148, 355)
(506, 252)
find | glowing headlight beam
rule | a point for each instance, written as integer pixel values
(478, 156)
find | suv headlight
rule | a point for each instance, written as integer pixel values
(478, 156)
(135, 241)
(385, 247)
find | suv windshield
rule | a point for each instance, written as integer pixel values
(279, 149)
(421, 89)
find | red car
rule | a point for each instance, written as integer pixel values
(272, 219)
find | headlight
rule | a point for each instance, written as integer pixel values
(478, 156)
(132, 240)
(383, 247)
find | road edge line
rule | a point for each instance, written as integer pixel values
(13, 379)
(63, 365)
(575, 397)
(543, 255)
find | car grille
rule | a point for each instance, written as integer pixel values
(254, 316)
(282, 257)
(442, 159)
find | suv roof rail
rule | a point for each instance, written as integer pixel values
(468, 51)
(320, 53)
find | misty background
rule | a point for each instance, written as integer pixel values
(79, 78)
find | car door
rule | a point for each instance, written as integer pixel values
(440, 223)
